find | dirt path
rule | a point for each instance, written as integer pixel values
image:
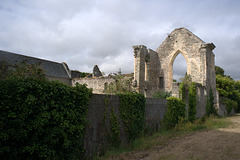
(220, 144)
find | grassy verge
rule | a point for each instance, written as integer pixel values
(162, 137)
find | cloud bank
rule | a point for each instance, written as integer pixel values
(85, 33)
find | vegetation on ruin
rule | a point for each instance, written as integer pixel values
(175, 112)
(120, 85)
(188, 93)
(113, 136)
(192, 102)
(162, 94)
(132, 112)
(42, 119)
(184, 86)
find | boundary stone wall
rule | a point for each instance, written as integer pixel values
(98, 118)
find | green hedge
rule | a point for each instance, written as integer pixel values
(175, 112)
(42, 119)
(132, 112)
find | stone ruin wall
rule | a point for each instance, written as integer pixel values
(145, 70)
(98, 84)
(153, 70)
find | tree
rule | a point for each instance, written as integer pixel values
(219, 71)
(228, 88)
(225, 86)
(120, 85)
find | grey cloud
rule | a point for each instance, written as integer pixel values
(85, 33)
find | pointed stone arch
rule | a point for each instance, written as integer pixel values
(153, 70)
(171, 62)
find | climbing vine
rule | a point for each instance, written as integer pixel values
(175, 112)
(188, 93)
(132, 112)
(192, 101)
(210, 104)
(114, 135)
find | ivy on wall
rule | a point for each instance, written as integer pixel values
(192, 102)
(188, 93)
(42, 119)
(114, 135)
(132, 112)
(175, 112)
(210, 104)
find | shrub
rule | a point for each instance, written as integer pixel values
(175, 112)
(162, 94)
(121, 85)
(42, 119)
(132, 112)
(230, 104)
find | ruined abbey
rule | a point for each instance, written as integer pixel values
(153, 70)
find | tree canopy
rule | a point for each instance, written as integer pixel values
(228, 88)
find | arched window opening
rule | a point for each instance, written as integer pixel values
(179, 68)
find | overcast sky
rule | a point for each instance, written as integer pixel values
(83, 33)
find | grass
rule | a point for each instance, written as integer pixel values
(160, 138)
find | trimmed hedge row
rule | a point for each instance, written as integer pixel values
(42, 119)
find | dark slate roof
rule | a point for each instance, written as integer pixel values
(50, 68)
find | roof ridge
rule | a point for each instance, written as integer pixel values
(30, 57)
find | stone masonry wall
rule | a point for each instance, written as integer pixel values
(155, 111)
(201, 98)
(96, 83)
(199, 57)
(99, 124)
(66, 81)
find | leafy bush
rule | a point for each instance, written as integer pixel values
(228, 88)
(42, 119)
(175, 112)
(132, 112)
(230, 104)
(162, 94)
(121, 85)
(225, 86)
